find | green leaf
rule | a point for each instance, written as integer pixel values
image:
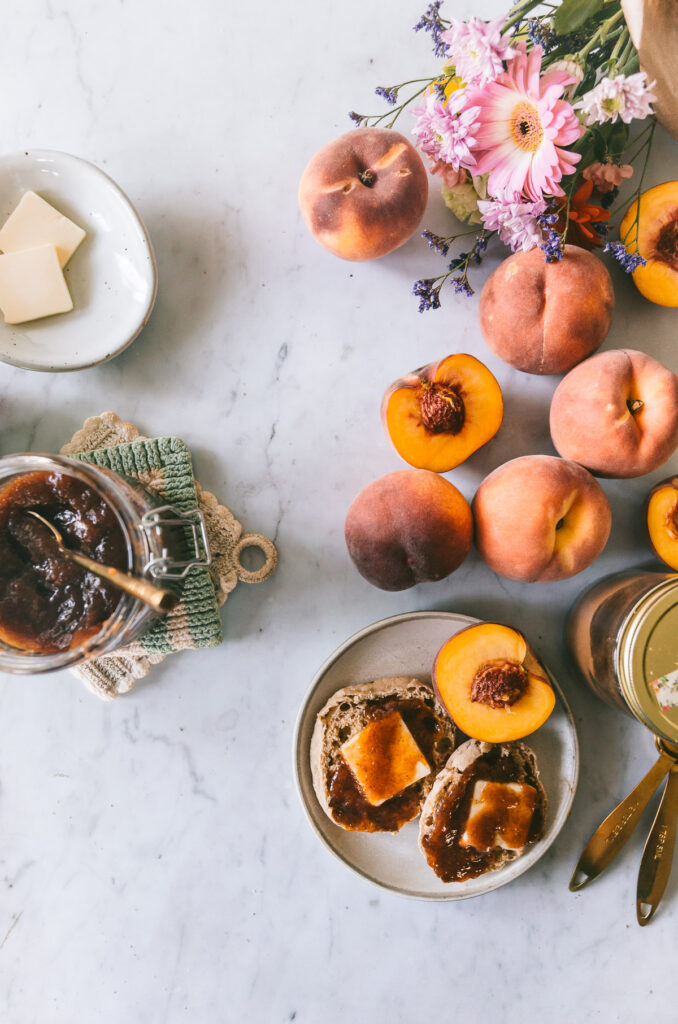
(572, 14)
(619, 136)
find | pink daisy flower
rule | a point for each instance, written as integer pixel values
(477, 49)
(522, 127)
(515, 221)
(444, 131)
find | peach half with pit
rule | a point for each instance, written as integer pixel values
(364, 194)
(408, 527)
(491, 683)
(539, 518)
(440, 414)
(662, 521)
(651, 227)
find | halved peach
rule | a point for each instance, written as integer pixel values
(662, 521)
(656, 238)
(491, 683)
(440, 414)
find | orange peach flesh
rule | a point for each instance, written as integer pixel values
(442, 450)
(456, 667)
(662, 522)
(657, 242)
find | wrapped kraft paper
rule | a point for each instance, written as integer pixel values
(653, 25)
(163, 466)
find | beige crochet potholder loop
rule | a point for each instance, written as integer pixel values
(115, 674)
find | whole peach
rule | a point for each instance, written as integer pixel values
(408, 527)
(545, 317)
(539, 518)
(364, 194)
(617, 414)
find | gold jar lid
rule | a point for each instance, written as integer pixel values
(647, 659)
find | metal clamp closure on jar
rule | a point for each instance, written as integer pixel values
(165, 563)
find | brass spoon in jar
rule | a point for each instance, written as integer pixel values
(160, 599)
(612, 834)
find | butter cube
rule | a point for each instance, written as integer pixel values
(34, 222)
(385, 758)
(500, 816)
(32, 285)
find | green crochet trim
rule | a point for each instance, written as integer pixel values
(169, 461)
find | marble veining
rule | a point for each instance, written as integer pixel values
(155, 863)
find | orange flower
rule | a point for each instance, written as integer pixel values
(583, 215)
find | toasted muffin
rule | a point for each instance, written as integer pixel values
(375, 751)
(486, 807)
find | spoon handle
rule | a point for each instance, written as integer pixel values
(655, 866)
(159, 598)
(610, 836)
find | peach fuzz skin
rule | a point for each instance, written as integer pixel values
(408, 527)
(594, 420)
(545, 317)
(364, 194)
(539, 518)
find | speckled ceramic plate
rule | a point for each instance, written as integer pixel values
(406, 645)
(112, 275)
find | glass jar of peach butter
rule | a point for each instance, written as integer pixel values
(55, 614)
(623, 636)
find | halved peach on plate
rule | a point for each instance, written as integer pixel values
(491, 683)
(440, 414)
(662, 521)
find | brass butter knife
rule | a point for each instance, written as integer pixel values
(655, 866)
(612, 834)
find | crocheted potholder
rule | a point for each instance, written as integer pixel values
(163, 466)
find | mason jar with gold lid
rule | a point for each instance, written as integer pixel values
(623, 635)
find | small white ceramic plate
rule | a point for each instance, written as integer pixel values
(406, 645)
(112, 276)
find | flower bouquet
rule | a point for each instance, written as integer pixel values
(527, 124)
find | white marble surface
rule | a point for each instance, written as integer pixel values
(155, 864)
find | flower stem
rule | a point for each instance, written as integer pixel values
(639, 190)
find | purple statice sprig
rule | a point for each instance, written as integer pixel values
(540, 33)
(432, 23)
(427, 289)
(628, 261)
(391, 94)
(553, 241)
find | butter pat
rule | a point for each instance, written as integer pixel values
(34, 222)
(385, 758)
(32, 285)
(500, 816)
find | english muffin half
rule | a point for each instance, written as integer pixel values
(486, 807)
(375, 751)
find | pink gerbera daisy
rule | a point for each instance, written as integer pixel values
(521, 128)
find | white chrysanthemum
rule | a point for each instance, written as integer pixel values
(628, 97)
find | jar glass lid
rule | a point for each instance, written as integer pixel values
(647, 659)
